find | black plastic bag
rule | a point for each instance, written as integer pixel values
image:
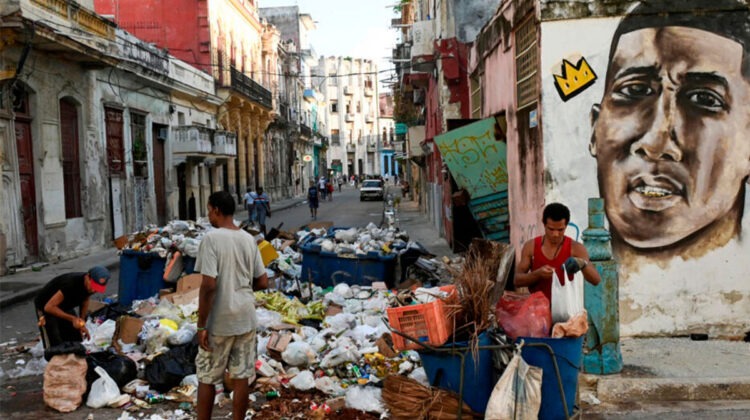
(120, 368)
(74, 347)
(167, 370)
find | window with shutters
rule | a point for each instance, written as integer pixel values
(71, 161)
(527, 89)
(139, 151)
(476, 97)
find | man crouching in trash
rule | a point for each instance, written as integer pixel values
(56, 303)
(229, 260)
(550, 252)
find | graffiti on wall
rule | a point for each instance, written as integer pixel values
(670, 133)
(574, 78)
(666, 133)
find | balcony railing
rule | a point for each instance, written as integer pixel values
(349, 117)
(305, 130)
(351, 147)
(372, 147)
(192, 139)
(225, 143)
(250, 88)
(369, 118)
(348, 90)
(369, 91)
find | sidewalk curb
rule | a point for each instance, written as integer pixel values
(32, 291)
(618, 389)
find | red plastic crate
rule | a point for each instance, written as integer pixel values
(427, 322)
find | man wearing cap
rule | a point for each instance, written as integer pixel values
(56, 303)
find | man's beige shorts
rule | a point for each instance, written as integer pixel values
(234, 352)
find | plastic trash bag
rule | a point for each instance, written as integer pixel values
(576, 326)
(518, 393)
(103, 391)
(304, 381)
(267, 318)
(365, 398)
(183, 335)
(341, 322)
(343, 290)
(567, 299)
(524, 315)
(66, 347)
(65, 382)
(329, 385)
(102, 335)
(299, 353)
(344, 351)
(120, 368)
(167, 370)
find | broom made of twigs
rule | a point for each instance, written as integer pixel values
(408, 399)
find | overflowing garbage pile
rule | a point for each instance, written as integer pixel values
(177, 235)
(362, 241)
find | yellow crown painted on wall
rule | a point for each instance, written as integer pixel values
(574, 79)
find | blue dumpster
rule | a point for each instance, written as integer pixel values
(569, 357)
(141, 275)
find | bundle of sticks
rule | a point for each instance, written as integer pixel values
(408, 399)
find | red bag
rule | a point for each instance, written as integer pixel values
(524, 315)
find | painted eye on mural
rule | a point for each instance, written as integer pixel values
(706, 99)
(633, 90)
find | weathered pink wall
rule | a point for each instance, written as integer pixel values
(525, 162)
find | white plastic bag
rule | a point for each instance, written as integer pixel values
(518, 393)
(366, 398)
(103, 391)
(299, 353)
(329, 385)
(567, 299)
(304, 381)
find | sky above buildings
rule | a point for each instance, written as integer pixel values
(349, 28)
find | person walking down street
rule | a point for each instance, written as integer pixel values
(249, 202)
(262, 206)
(340, 181)
(329, 190)
(312, 200)
(322, 188)
(232, 269)
(56, 303)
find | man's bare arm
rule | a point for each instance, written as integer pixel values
(261, 282)
(590, 273)
(524, 277)
(206, 299)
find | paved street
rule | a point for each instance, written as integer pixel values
(22, 397)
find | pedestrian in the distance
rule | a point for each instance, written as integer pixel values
(232, 269)
(262, 206)
(340, 181)
(56, 303)
(312, 200)
(249, 201)
(322, 188)
(329, 190)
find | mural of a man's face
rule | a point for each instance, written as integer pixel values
(672, 134)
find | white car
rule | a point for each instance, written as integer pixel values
(371, 189)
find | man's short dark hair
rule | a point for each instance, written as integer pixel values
(556, 212)
(222, 201)
(726, 18)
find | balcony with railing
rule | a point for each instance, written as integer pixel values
(243, 84)
(305, 130)
(225, 143)
(369, 118)
(348, 90)
(372, 147)
(369, 91)
(192, 139)
(351, 148)
(349, 117)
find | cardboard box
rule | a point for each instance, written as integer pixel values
(183, 298)
(189, 282)
(95, 305)
(385, 346)
(334, 309)
(127, 330)
(318, 225)
(286, 244)
(278, 342)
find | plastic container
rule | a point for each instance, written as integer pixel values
(267, 252)
(444, 370)
(427, 322)
(569, 356)
(328, 268)
(141, 275)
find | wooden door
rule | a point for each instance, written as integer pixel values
(28, 189)
(160, 189)
(71, 160)
(116, 167)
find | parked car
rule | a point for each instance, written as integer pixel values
(371, 189)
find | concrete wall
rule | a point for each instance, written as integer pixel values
(668, 152)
